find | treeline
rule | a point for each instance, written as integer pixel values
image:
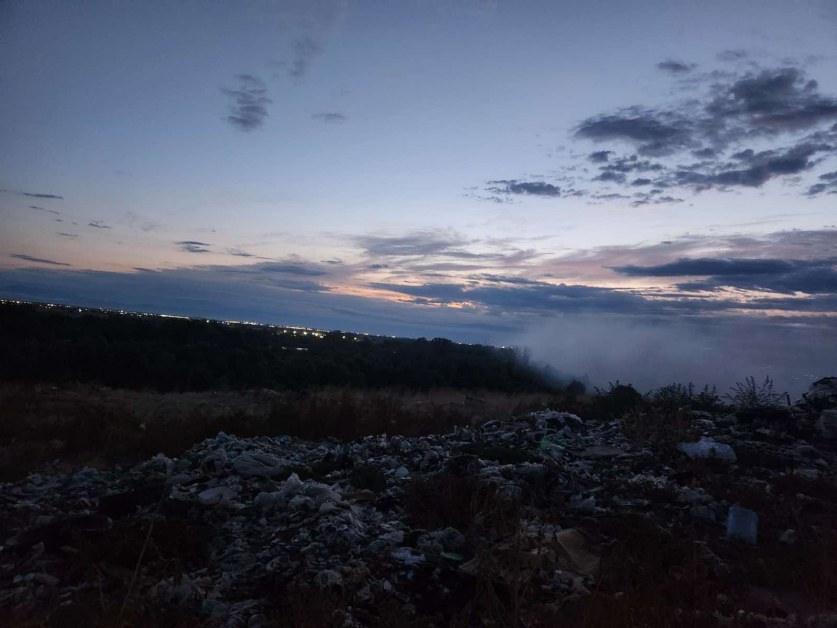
(64, 345)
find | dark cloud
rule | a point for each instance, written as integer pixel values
(600, 156)
(654, 132)
(33, 194)
(249, 109)
(193, 246)
(524, 296)
(675, 67)
(67, 235)
(827, 184)
(705, 153)
(773, 100)
(534, 188)
(98, 224)
(817, 276)
(610, 175)
(43, 209)
(330, 116)
(732, 109)
(708, 266)
(762, 167)
(37, 260)
(42, 195)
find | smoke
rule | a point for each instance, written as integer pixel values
(652, 353)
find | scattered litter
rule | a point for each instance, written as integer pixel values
(708, 448)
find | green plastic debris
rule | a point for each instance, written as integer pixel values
(552, 447)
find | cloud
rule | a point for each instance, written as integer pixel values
(42, 209)
(37, 260)
(53, 196)
(817, 276)
(193, 246)
(762, 167)
(250, 100)
(732, 55)
(305, 50)
(522, 296)
(299, 285)
(420, 243)
(828, 184)
(33, 194)
(534, 188)
(291, 268)
(704, 142)
(675, 67)
(709, 266)
(773, 100)
(67, 235)
(238, 252)
(600, 156)
(654, 132)
(330, 117)
(98, 224)
(313, 21)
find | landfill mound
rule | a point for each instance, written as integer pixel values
(694, 519)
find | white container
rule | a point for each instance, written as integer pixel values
(743, 524)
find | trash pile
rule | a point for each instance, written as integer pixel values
(496, 524)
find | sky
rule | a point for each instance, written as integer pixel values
(643, 191)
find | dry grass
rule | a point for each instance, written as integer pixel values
(86, 425)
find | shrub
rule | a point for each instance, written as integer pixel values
(750, 396)
(616, 401)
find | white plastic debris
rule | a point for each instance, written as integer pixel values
(708, 448)
(406, 556)
(217, 495)
(258, 464)
(742, 523)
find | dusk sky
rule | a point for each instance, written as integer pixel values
(642, 190)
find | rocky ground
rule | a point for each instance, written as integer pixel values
(663, 517)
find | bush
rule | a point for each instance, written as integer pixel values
(616, 401)
(748, 395)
